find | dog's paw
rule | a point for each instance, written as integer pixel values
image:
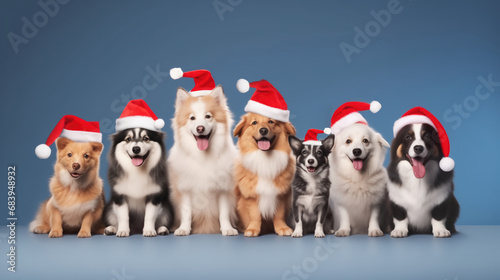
(229, 231)
(398, 233)
(123, 233)
(297, 233)
(375, 232)
(251, 233)
(41, 229)
(441, 233)
(163, 230)
(343, 232)
(284, 231)
(182, 232)
(149, 232)
(319, 233)
(110, 230)
(84, 234)
(55, 233)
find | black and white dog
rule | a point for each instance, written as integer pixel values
(311, 187)
(420, 193)
(137, 174)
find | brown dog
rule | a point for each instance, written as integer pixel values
(77, 192)
(264, 173)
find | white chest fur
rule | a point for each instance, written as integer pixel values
(136, 184)
(73, 215)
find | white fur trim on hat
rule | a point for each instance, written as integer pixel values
(81, 136)
(375, 106)
(242, 85)
(176, 73)
(411, 119)
(447, 164)
(327, 130)
(199, 93)
(42, 151)
(312, 142)
(270, 112)
(159, 124)
(135, 121)
(346, 121)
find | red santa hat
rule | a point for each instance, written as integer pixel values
(266, 100)
(347, 114)
(419, 115)
(203, 81)
(138, 114)
(312, 136)
(73, 128)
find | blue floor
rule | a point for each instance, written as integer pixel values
(474, 253)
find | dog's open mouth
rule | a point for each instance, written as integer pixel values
(311, 169)
(202, 141)
(418, 165)
(358, 163)
(264, 143)
(75, 175)
(139, 160)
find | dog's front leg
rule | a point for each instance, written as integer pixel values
(400, 219)
(345, 223)
(280, 226)
(373, 226)
(318, 231)
(86, 227)
(251, 206)
(122, 217)
(225, 215)
(185, 209)
(297, 217)
(56, 229)
(150, 215)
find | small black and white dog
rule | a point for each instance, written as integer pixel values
(311, 187)
(137, 174)
(420, 193)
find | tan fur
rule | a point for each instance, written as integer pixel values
(182, 113)
(251, 221)
(87, 189)
(399, 152)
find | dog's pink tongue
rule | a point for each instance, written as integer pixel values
(264, 144)
(418, 168)
(202, 143)
(137, 161)
(358, 164)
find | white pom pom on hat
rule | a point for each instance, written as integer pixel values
(159, 124)
(242, 85)
(375, 106)
(176, 73)
(327, 130)
(43, 151)
(447, 164)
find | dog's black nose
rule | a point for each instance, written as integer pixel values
(263, 131)
(310, 161)
(356, 152)
(418, 149)
(76, 166)
(200, 129)
(136, 149)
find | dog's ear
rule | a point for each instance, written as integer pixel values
(238, 130)
(62, 142)
(328, 142)
(218, 94)
(382, 141)
(182, 95)
(295, 144)
(289, 129)
(97, 147)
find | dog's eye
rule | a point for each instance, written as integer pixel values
(128, 139)
(348, 141)
(319, 153)
(85, 156)
(408, 137)
(254, 123)
(70, 154)
(271, 122)
(145, 138)
(427, 137)
(366, 141)
(304, 152)
(207, 116)
(192, 118)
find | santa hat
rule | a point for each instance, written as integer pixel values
(203, 81)
(347, 114)
(266, 100)
(73, 128)
(312, 136)
(138, 114)
(421, 115)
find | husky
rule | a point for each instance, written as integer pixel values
(311, 186)
(201, 164)
(137, 174)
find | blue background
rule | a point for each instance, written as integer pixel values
(90, 57)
